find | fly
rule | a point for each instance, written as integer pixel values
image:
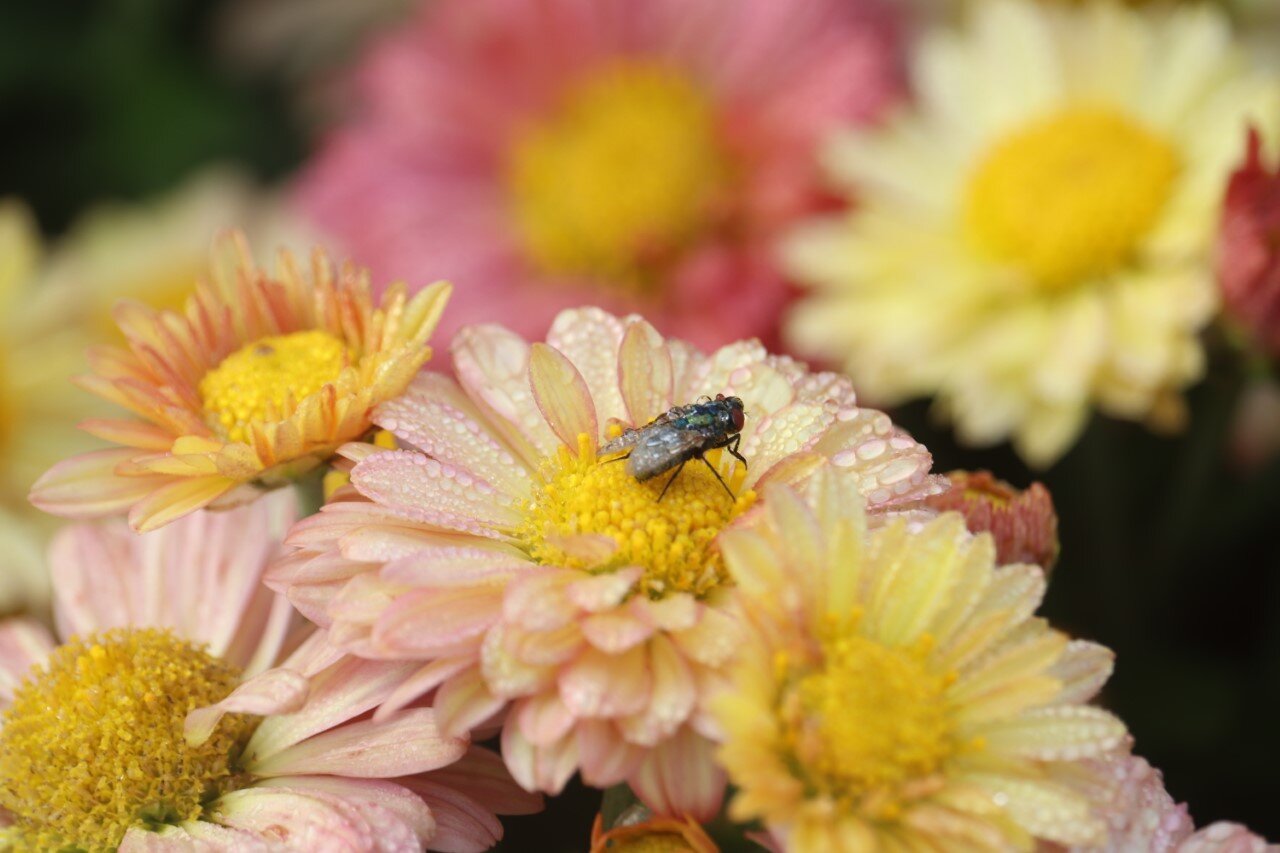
(679, 434)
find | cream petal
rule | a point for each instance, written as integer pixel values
(539, 601)
(589, 338)
(676, 612)
(681, 777)
(562, 396)
(615, 631)
(405, 743)
(87, 486)
(425, 490)
(1044, 809)
(1083, 668)
(493, 368)
(276, 691)
(603, 685)
(1060, 733)
(195, 836)
(23, 644)
(508, 674)
(596, 593)
(713, 640)
(645, 376)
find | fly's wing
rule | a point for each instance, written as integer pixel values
(661, 449)
(623, 442)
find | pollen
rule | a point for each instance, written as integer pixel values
(263, 381)
(626, 170)
(868, 721)
(1070, 197)
(672, 540)
(93, 742)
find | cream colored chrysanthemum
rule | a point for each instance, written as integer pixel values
(896, 691)
(257, 382)
(1033, 240)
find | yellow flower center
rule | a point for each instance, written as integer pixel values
(93, 743)
(655, 842)
(1070, 196)
(264, 380)
(869, 721)
(619, 177)
(672, 539)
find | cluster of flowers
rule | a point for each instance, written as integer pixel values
(813, 625)
(345, 566)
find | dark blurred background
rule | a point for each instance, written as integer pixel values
(1169, 557)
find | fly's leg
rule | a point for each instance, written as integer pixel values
(732, 447)
(713, 470)
(626, 455)
(679, 468)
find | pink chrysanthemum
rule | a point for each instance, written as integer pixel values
(640, 156)
(529, 575)
(189, 716)
(1249, 248)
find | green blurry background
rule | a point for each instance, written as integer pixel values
(1169, 557)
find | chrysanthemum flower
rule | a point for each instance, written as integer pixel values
(1249, 249)
(180, 712)
(259, 381)
(40, 350)
(531, 574)
(896, 690)
(1034, 238)
(1023, 523)
(639, 156)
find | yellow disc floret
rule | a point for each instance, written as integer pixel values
(93, 742)
(867, 721)
(624, 172)
(1070, 196)
(263, 380)
(672, 539)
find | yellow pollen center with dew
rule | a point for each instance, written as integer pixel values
(1071, 196)
(262, 381)
(113, 756)
(672, 540)
(869, 722)
(623, 173)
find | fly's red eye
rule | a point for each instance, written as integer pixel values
(719, 397)
(738, 418)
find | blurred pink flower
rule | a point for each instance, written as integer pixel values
(639, 156)
(1023, 522)
(1249, 249)
(530, 578)
(1141, 815)
(167, 622)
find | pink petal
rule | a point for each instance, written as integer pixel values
(482, 776)
(276, 691)
(671, 700)
(421, 682)
(405, 743)
(604, 757)
(87, 486)
(542, 718)
(340, 693)
(464, 702)
(604, 685)
(594, 593)
(589, 339)
(23, 644)
(644, 372)
(538, 601)
(462, 825)
(453, 566)
(195, 836)
(493, 368)
(389, 807)
(171, 502)
(422, 489)
(616, 631)
(562, 396)
(1224, 837)
(508, 674)
(681, 777)
(294, 820)
(434, 622)
(539, 768)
